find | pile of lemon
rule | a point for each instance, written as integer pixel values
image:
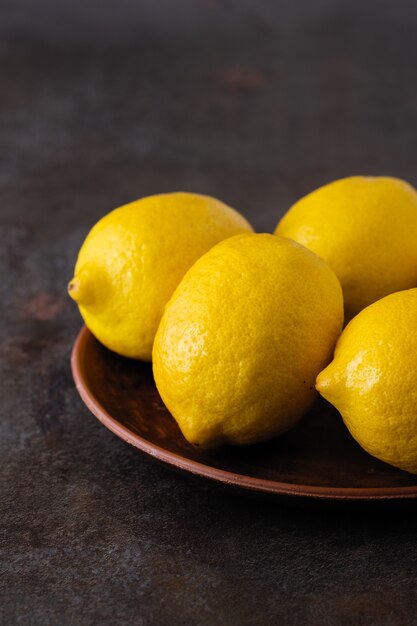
(242, 328)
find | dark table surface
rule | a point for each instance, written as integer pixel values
(101, 103)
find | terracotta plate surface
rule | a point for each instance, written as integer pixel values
(317, 459)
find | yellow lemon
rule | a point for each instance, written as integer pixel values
(372, 379)
(243, 338)
(366, 230)
(135, 256)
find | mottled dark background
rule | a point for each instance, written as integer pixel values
(101, 102)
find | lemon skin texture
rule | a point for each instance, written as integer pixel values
(366, 230)
(372, 379)
(243, 337)
(134, 257)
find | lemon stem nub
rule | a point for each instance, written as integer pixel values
(74, 289)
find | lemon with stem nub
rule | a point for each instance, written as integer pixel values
(372, 379)
(243, 338)
(134, 257)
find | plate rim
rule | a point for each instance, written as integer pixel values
(226, 477)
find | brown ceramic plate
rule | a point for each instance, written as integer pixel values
(317, 459)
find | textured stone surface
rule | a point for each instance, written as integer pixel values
(257, 103)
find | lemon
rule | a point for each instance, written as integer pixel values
(134, 257)
(366, 229)
(243, 338)
(372, 379)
